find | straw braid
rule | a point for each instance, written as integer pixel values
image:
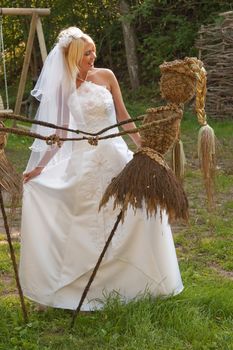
(200, 74)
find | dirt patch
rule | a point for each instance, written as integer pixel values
(221, 272)
(9, 283)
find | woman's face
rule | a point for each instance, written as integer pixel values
(89, 56)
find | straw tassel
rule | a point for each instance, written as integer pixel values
(178, 160)
(206, 138)
(206, 155)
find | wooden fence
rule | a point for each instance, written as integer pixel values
(215, 44)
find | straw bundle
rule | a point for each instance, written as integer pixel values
(3, 137)
(9, 179)
(147, 181)
(206, 155)
(151, 185)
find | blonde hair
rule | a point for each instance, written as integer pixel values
(74, 52)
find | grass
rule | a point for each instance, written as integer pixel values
(18, 149)
(200, 318)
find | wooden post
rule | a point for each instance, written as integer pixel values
(41, 39)
(26, 63)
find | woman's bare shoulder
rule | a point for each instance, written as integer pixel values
(104, 72)
(103, 76)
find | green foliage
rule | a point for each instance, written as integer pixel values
(164, 30)
(167, 30)
(173, 39)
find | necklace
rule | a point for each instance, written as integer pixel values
(82, 80)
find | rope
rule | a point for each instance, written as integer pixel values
(53, 139)
(54, 126)
(3, 61)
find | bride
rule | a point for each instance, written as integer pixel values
(63, 233)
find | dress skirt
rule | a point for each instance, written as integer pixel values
(63, 234)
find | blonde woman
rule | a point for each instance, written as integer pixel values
(62, 230)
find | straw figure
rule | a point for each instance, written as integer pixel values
(180, 80)
(10, 182)
(9, 179)
(147, 180)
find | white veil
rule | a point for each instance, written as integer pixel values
(53, 89)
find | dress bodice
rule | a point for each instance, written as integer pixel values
(92, 107)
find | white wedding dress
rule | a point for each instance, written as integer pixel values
(63, 232)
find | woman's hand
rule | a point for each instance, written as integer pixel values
(35, 172)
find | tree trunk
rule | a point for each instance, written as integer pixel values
(130, 46)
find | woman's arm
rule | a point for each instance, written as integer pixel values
(63, 110)
(121, 111)
(49, 154)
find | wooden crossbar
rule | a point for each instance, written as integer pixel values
(24, 11)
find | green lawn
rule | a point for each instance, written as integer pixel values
(200, 318)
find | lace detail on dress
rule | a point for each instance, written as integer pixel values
(95, 173)
(96, 105)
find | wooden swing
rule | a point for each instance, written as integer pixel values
(35, 26)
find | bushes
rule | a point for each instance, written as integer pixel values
(164, 30)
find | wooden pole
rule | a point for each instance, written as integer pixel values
(26, 63)
(94, 272)
(13, 259)
(41, 39)
(226, 13)
(25, 11)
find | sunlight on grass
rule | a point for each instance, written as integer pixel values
(5, 262)
(2, 237)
